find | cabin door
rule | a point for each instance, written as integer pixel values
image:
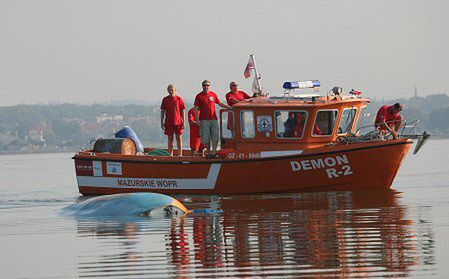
(227, 124)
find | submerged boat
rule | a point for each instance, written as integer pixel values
(286, 143)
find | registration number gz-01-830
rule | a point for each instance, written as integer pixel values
(335, 166)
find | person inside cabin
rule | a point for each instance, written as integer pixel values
(317, 131)
(388, 119)
(289, 125)
(205, 111)
(235, 96)
(300, 124)
(173, 118)
(195, 141)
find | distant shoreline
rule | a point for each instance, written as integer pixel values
(41, 151)
(75, 149)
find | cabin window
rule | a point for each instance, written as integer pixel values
(361, 119)
(247, 123)
(325, 122)
(347, 120)
(227, 124)
(290, 124)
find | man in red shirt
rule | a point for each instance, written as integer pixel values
(195, 141)
(173, 118)
(232, 97)
(389, 119)
(300, 124)
(235, 95)
(205, 103)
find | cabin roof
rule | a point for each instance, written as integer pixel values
(306, 103)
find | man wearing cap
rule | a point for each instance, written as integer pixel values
(205, 103)
(235, 95)
(389, 119)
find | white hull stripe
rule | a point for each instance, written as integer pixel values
(153, 183)
(267, 154)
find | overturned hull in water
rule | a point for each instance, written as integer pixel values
(132, 204)
(367, 165)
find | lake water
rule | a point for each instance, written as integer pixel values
(399, 233)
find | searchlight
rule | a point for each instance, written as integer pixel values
(304, 84)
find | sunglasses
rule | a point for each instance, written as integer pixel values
(206, 84)
(234, 85)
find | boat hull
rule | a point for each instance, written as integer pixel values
(345, 167)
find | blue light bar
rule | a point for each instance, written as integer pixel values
(301, 84)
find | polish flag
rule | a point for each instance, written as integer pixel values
(249, 67)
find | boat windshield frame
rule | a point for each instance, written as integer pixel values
(353, 121)
(359, 122)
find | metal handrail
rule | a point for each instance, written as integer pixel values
(403, 125)
(422, 138)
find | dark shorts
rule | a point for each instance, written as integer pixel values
(172, 129)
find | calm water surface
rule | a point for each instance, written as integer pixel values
(399, 233)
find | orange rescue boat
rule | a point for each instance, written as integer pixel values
(268, 144)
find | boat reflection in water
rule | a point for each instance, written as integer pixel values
(364, 233)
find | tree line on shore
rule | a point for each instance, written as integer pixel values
(59, 126)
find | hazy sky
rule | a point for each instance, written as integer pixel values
(95, 51)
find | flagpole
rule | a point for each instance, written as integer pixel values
(256, 75)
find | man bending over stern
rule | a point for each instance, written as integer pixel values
(173, 118)
(205, 103)
(389, 119)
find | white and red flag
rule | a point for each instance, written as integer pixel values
(355, 92)
(250, 66)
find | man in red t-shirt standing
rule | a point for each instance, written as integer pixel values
(235, 95)
(205, 103)
(389, 119)
(173, 118)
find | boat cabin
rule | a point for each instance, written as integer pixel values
(290, 122)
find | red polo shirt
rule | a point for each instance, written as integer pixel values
(384, 115)
(206, 102)
(173, 107)
(239, 95)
